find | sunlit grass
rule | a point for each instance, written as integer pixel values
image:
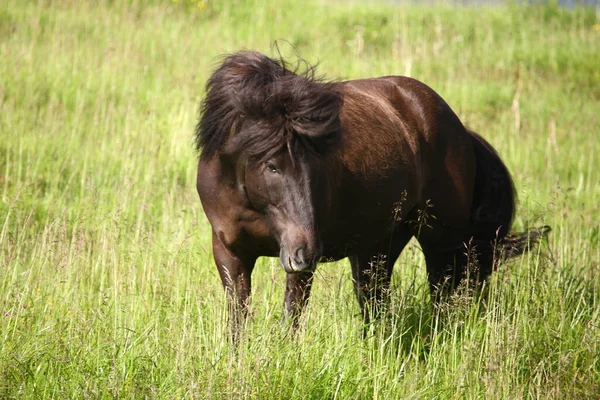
(107, 284)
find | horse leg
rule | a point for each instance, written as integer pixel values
(466, 263)
(446, 269)
(297, 292)
(235, 271)
(450, 258)
(372, 271)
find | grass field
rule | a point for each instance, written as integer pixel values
(107, 284)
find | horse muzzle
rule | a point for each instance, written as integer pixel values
(298, 260)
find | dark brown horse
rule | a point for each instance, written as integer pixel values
(309, 171)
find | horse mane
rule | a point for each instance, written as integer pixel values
(275, 105)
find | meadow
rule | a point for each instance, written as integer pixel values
(107, 284)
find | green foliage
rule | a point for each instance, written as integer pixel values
(107, 284)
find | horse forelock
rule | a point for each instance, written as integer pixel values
(258, 106)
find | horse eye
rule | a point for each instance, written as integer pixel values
(272, 168)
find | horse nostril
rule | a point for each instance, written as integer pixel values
(300, 255)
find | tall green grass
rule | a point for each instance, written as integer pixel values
(107, 284)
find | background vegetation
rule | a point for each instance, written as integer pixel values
(107, 284)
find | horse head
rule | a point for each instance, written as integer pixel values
(279, 126)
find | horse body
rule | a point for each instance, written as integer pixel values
(318, 171)
(398, 155)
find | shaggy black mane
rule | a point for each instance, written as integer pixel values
(259, 106)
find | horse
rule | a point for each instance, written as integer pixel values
(310, 170)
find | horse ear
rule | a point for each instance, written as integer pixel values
(320, 119)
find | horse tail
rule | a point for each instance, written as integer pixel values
(493, 209)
